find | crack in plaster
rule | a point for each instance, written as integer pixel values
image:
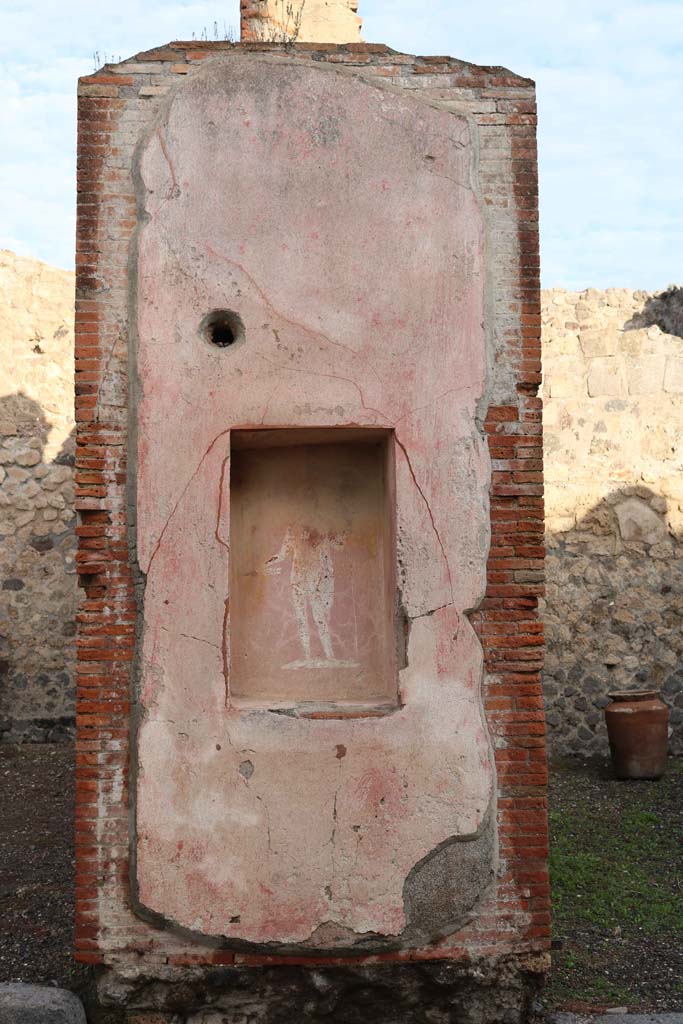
(271, 308)
(447, 177)
(271, 396)
(432, 611)
(349, 380)
(267, 814)
(411, 129)
(330, 376)
(200, 639)
(334, 820)
(189, 636)
(429, 513)
(437, 398)
(182, 495)
(226, 602)
(174, 191)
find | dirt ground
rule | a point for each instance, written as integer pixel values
(37, 865)
(616, 864)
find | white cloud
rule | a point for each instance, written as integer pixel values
(43, 50)
(610, 80)
(609, 76)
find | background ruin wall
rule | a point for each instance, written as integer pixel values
(38, 594)
(613, 418)
(613, 412)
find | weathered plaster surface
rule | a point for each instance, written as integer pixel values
(339, 221)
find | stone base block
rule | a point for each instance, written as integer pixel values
(37, 1004)
(478, 992)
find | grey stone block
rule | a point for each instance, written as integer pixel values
(616, 1018)
(36, 1004)
(639, 1018)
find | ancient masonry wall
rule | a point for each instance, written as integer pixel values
(38, 594)
(613, 391)
(115, 104)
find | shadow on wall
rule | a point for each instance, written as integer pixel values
(664, 311)
(37, 576)
(614, 617)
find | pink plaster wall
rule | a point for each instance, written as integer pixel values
(338, 219)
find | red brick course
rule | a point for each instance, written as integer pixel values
(115, 105)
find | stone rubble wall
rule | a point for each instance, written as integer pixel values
(613, 393)
(37, 520)
(613, 396)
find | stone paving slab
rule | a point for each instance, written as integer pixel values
(616, 1018)
(38, 1004)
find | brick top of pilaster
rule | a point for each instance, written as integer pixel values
(185, 51)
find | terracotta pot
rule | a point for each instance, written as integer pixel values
(637, 726)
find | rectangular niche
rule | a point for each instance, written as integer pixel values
(312, 577)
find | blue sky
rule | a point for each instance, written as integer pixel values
(610, 89)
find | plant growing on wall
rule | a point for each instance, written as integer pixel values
(226, 34)
(100, 60)
(281, 21)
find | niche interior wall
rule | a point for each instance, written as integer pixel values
(309, 485)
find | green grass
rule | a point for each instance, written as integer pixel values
(616, 867)
(615, 874)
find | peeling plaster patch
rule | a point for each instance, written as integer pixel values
(446, 886)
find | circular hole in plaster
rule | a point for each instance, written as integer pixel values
(222, 328)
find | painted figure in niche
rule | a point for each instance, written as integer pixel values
(311, 583)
